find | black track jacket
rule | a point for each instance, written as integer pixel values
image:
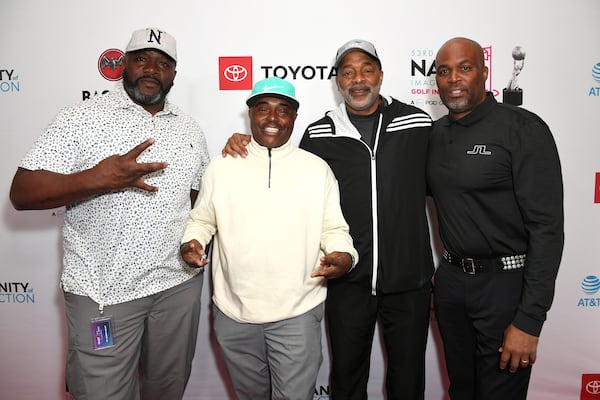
(382, 193)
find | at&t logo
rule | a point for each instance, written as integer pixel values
(595, 91)
(590, 286)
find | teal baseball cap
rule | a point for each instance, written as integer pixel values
(273, 87)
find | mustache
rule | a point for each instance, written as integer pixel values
(360, 86)
(151, 78)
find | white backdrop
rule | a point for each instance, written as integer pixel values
(49, 54)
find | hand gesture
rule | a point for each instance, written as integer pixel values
(122, 171)
(193, 254)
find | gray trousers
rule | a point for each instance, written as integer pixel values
(277, 360)
(155, 340)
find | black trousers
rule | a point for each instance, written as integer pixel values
(351, 314)
(473, 312)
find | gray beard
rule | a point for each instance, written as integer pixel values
(132, 90)
(457, 106)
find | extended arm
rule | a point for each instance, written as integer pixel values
(42, 189)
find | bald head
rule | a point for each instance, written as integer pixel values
(460, 75)
(462, 42)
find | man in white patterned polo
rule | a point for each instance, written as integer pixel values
(127, 166)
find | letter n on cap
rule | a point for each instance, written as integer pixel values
(154, 36)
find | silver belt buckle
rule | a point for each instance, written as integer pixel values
(468, 266)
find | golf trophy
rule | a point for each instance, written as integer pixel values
(513, 94)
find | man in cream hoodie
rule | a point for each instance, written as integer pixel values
(279, 234)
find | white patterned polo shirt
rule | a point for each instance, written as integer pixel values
(124, 245)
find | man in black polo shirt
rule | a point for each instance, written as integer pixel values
(495, 175)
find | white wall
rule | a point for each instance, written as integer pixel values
(51, 50)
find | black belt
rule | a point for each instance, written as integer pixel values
(474, 266)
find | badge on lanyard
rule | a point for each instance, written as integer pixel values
(102, 333)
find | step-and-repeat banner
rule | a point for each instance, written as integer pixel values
(54, 54)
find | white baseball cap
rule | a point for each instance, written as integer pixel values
(152, 38)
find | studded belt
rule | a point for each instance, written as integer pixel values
(474, 266)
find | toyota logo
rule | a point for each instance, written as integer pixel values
(235, 73)
(593, 387)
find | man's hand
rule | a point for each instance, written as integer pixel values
(519, 349)
(41, 189)
(122, 171)
(193, 254)
(333, 265)
(236, 145)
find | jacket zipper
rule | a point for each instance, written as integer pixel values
(374, 215)
(269, 182)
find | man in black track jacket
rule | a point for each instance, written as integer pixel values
(377, 148)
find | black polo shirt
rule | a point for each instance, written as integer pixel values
(496, 179)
